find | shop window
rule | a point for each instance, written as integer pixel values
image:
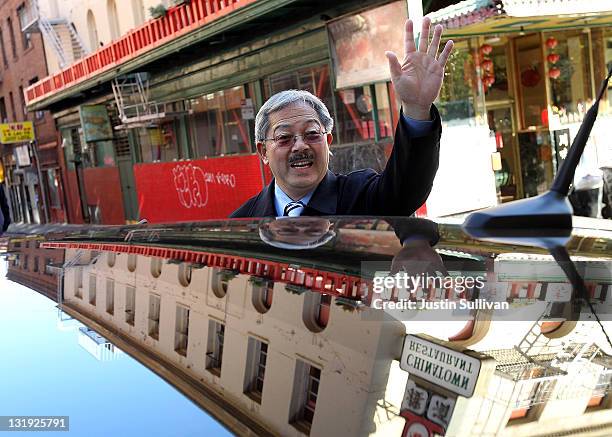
(220, 122)
(461, 96)
(257, 358)
(154, 313)
(531, 81)
(601, 390)
(159, 143)
(130, 305)
(181, 330)
(214, 350)
(569, 75)
(305, 393)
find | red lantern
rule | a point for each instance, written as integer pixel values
(551, 42)
(488, 80)
(552, 58)
(485, 49)
(530, 77)
(487, 65)
(554, 73)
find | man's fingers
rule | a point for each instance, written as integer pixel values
(409, 46)
(435, 41)
(424, 38)
(394, 65)
(448, 48)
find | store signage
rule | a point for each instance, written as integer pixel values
(22, 156)
(96, 123)
(16, 132)
(196, 190)
(440, 365)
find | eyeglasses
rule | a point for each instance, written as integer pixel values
(286, 140)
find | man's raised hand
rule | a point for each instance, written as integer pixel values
(418, 79)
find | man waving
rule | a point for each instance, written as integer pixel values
(293, 133)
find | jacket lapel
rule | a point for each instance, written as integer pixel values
(324, 200)
(264, 206)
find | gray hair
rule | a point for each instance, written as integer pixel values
(287, 98)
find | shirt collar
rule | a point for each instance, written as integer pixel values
(281, 199)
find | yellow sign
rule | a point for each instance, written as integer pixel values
(16, 132)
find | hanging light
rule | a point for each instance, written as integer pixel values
(552, 58)
(551, 42)
(554, 73)
(486, 49)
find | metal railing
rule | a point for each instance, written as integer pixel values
(177, 21)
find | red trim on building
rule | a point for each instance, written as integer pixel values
(177, 22)
(336, 284)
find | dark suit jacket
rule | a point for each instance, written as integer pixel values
(399, 190)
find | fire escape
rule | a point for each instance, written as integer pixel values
(57, 32)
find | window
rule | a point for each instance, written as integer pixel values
(39, 115)
(263, 291)
(9, 23)
(113, 19)
(214, 351)
(25, 262)
(460, 94)
(220, 282)
(3, 48)
(94, 41)
(156, 267)
(256, 370)
(570, 84)
(158, 143)
(530, 394)
(181, 336)
(3, 114)
(23, 21)
(53, 187)
(132, 260)
(12, 102)
(92, 289)
(323, 310)
(22, 101)
(138, 11)
(154, 311)
(601, 390)
(130, 304)
(35, 264)
(110, 296)
(219, 125)
(305, 394)
(78, 282)
(111, 259)
(49, 266)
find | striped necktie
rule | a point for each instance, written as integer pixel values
(293, 209)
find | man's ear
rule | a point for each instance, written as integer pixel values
(261, 149)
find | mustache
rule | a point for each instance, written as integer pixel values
(298, 156)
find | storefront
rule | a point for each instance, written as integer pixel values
(186, 151)
(540, 66)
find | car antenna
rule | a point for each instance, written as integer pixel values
(551, 209)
